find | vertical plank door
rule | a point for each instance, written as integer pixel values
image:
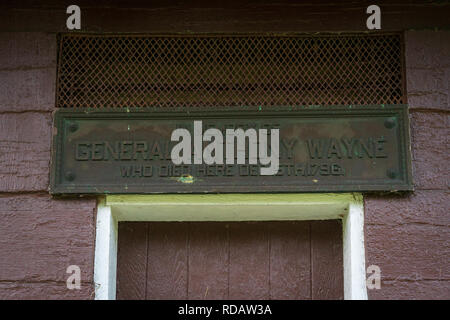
(230, 260)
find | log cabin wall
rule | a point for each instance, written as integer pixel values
(406, 235)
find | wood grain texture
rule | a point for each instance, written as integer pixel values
(44, 291)
(208, 260)
(407, 235)
(167, 260)
(290, 264)
(25, 149)
(41, 236)
(412, 290)
(27, 71)
(22, 50)
(427, 65)
(132, 261)
(422, 218)
(28, 90)
(422, 207)
(221, 16)
(409, 252)
(327, 277)
(249, 261)
(429, 140)
(231, 260)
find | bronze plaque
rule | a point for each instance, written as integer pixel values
(320, 149)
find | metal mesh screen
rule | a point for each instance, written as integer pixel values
(235, 70)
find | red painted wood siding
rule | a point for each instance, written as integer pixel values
(230, 260)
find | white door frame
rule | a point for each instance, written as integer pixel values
(230, 207)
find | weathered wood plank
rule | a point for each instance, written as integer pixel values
(25, 150)
(230, 16)
(167, 260)
(237, 260)
(132, 260)
(208, 260)
(249, 261)
(41, 236)
(326, 260)
(290, 265)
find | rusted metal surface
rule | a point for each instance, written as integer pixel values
(340, 148)
(110, 70)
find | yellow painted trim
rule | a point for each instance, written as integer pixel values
(230, 199)
(229, 207)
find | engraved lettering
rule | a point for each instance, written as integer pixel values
(140, 147)
(110, 151)
(367, 148)
(82, 151)
(126, 150)
(334, 149)
(379, 148)
(315, 148)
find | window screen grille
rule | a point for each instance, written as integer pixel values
(229, 70)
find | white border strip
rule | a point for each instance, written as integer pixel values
(228, 207)
(105, 262)
(354, 251)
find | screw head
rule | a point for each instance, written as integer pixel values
(73, 127)
(391, 173)
(70, 176)
(390, 123)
